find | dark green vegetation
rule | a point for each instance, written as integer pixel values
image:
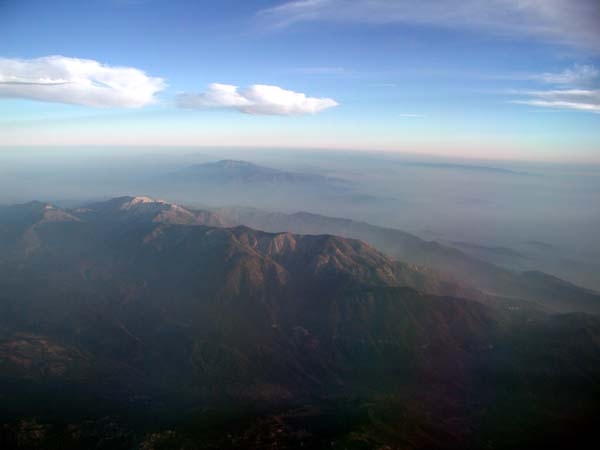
(133, 324)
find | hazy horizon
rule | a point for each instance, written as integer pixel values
(452, 201)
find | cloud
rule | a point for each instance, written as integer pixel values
(579, 75)
(77, 81)
(574, 89)
(569, 99)
(256, 99)
(574, 22)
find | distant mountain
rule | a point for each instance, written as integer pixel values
(537, 256)
(242, 172)
(497, 251)
(231, 182)
(469, 167)
(125, 329)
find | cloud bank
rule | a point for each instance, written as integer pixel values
(77, 81)
(258, 99)
(574, 22)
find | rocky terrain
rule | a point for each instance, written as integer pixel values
(132, 323)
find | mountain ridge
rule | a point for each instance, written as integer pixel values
(450, 262)
(150, 319)
(427, 265)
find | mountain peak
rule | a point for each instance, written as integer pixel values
(145, 208)
(37, 205)
(130, 202)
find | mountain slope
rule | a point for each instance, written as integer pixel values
(547, 291)
(248, 332)
(427, 266)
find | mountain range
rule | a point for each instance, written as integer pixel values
(137, 323)
(450, 263)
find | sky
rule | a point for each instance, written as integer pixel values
(501, 79)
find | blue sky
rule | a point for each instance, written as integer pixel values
(509, 79)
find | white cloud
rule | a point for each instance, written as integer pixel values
(574, 22)
(570, 99)
(256, 99)
(579, 75)
(77, 81)
(573, 90)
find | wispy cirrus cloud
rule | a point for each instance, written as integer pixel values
(258, 99)
(573, 22)
(573, 90)
(564, 99)
(579, 75)
(77, 81)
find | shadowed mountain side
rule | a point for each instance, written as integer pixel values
(114, 214)
(546, 290)
(431, 268)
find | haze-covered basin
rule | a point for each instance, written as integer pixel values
(530, 208)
